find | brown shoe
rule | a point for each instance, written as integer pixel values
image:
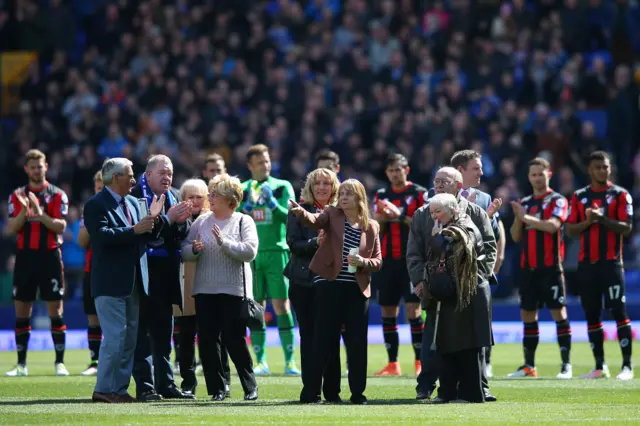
(103, 397)
(126, 399)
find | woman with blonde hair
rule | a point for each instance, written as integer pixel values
(320, 190)
(184, 332)
(222, 242)
(343, 263)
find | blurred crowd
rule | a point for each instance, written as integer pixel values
(425, 78)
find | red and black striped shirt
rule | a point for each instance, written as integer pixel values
(542, 249)
(34, 235)
(395, 234)
(597, 242)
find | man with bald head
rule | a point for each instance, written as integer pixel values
(152, 366)
(448, 180)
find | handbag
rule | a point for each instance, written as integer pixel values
(252, 313)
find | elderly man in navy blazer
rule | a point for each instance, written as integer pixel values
(119, 234)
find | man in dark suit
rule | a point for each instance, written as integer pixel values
(119, 235)
(449, 180)
(152, 368)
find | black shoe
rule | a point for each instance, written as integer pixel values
(191, 390)
(218, 397)
(251, 396)
(359, 400)
(489, 398)
(149, 396)
(175, 393)
(227, 391)
(423, 395)
(334, 400)
(438, 400)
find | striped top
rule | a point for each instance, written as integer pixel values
(351, 240)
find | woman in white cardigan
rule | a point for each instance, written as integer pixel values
(222, 243)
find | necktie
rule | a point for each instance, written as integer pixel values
(465, 193)
(126, 211)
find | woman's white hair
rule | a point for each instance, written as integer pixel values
(446, 201)
(113, 166)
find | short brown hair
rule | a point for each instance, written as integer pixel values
(257, 150)
(331, 156)
(598, 156)
(462, 158)
(34, 154)
(98, 176)
(213, 158)
(539, 161)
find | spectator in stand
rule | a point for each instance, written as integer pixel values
(423, 79)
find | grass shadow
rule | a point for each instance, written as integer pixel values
(46, 402)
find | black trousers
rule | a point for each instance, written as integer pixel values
(302, 300)
(218, 317)
(431, 364)
(152, 357)
(461, 377)
(338, 303)
(187, 360)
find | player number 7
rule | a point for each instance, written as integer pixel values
(555, 290)
(614, 292)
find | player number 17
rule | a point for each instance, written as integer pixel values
(614, 292)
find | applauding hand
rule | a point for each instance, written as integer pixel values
(180, 212)
(35, 205)
(494, 207)
(217, 234)
(197, 245)
(156, 206)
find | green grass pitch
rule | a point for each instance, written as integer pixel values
(44, 399)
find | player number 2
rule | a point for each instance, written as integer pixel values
(556, 290)
(614, 292)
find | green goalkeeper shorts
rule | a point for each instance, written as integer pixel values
(268, 280)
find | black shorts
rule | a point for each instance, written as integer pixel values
(596, 280)
(87, 300)
(392, 283)
(38, 270)
(542, 287)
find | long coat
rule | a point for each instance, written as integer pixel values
(470, 328)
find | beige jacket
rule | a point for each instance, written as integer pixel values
(188, 303)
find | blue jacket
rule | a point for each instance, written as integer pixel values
(118, 253)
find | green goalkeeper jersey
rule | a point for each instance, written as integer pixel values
(271, 223)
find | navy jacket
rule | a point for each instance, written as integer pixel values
(118, 253)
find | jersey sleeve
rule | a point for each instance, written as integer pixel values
(422, 197)
(572, 214)
(14, 206)
(560, 209)
(625, 207)
(376, 197)
(60, 206)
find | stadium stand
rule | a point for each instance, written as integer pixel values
(86, 80)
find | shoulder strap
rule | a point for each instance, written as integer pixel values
(244, 280)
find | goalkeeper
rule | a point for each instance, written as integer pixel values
(266, 200)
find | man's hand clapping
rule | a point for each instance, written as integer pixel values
(156, 206)
(180, 212)
(494, 207)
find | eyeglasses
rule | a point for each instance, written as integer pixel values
(443, 182)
